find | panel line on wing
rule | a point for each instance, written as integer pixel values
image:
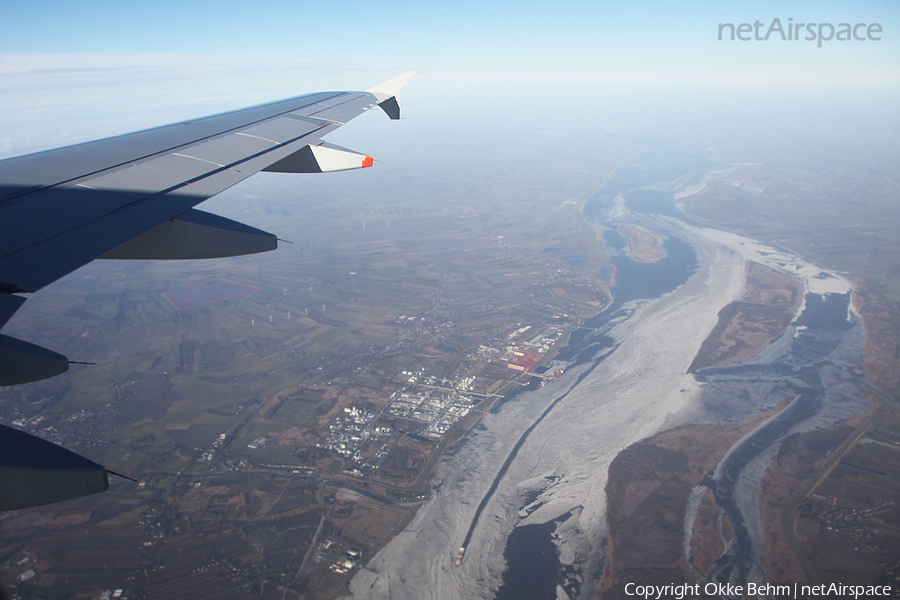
(332, 107)
(147, 167)
(331, 121)
(212, 162)
(28, 169)
(316, 121)
(257, 137)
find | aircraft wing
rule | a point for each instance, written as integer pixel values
(133, 197)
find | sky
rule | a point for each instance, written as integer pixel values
(76, 71)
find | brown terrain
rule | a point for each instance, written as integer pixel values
(651, 481)
(642, 246)
(647, 496)
(794, 472)
(881, 345)
(747, 325)
(828, 502)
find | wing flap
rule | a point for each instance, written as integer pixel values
(153, 175)
(341, 110)
(226, 150)
(282, 129)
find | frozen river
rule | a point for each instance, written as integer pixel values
(542, 458)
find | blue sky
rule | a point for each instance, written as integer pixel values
(464, 34)
(71, 71)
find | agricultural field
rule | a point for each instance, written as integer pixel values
(224, 388)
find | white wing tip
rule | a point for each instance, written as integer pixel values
(391, 88)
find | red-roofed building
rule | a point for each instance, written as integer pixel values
(528, 361)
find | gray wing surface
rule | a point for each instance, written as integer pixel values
(133, 196)
(62, 208)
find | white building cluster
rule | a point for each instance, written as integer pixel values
(352, 429)
(210, 451)
(440, 411)
(434, 411)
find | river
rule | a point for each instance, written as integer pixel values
(530, 478)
